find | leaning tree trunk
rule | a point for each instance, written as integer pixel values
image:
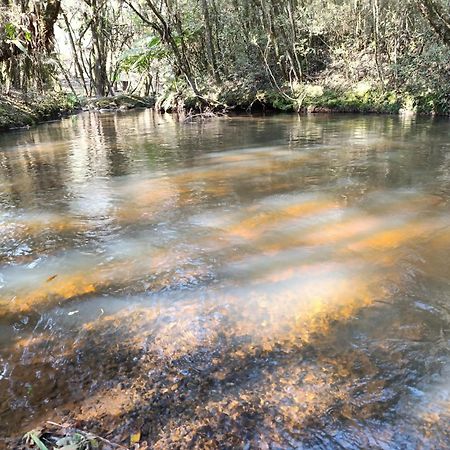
(438, 16)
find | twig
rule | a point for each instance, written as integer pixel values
(208, 114)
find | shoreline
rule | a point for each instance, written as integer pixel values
(18, 113)
(18, 110)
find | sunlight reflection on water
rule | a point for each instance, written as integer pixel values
(275, 265)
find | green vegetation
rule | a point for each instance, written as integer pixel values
(63, 437)
(381, 56)
(18, 110)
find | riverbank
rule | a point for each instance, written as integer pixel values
(19, 110)
(362, 97)
(120, 102)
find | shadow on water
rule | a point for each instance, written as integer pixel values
(275, 282)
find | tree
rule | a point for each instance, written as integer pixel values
(27, 37)
(438, 16)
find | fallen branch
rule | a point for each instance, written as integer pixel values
(208, 114)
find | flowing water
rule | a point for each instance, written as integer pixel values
(244, 282)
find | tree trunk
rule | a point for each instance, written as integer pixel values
(209, 41)
(100, 73)
(78, 67)
(166, 35)
(438, 17)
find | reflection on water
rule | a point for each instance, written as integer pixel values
(278, 282)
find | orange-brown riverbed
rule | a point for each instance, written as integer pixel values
(245, 282)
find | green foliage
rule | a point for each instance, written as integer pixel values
(371, 101)
(282, 55)
(239, 93)
(178, 96)
(34, 437)
(30, 109)
(279, 102)
(10, 30)
(140, 57)
(433, 103)
(18, 35)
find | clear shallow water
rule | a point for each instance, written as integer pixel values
(278, 282)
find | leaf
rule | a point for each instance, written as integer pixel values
(18, 44)
(153, 41)
(35, 438)
(10, 30)
(135, 438)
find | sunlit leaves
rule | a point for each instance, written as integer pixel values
(140, 57)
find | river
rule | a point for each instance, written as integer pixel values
(242, 282)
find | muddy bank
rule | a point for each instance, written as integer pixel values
(18, 110)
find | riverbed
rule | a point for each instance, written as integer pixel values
(241, 282)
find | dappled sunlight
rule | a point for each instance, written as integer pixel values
(260, 220)
(343, 231)
(153, 270)
(144, 198)
(393, 238)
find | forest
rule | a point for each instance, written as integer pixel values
(290, 55)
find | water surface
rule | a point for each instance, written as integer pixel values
(245, 282)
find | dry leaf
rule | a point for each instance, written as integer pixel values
(135, 438)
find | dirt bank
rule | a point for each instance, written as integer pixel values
(21, 110)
